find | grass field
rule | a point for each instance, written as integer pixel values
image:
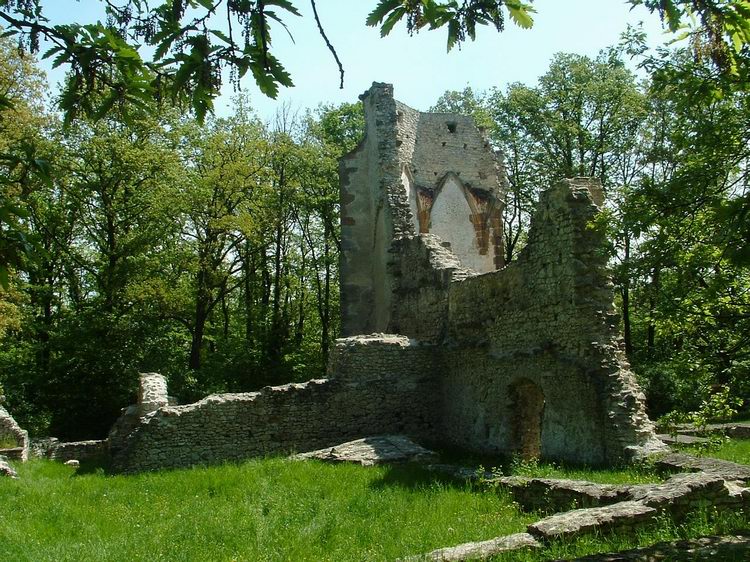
(270, 509)
(275, 509)
(735, 450)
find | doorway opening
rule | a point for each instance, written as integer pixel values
(526, 414)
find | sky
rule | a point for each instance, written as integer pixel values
(419, 66)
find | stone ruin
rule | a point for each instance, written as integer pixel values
(14, 441)
(443, 342)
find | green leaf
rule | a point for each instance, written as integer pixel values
(221, 35)
(520, 14)
(284, 4)
(392, 20)
(453, 33)
(381, 11)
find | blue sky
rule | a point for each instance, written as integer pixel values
(418, 66)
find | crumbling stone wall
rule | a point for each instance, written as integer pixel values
(382, 384)
(546, 320)
(14, 441)
(413, 173)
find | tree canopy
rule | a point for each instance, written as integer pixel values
(175, 50)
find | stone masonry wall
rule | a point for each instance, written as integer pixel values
(13, 439)
(546, 321)
(384, 385)
(413, 173)
(524, 358)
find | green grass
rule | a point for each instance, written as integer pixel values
(270, 509)
(627, 474)
(735, 450)
(275, 509)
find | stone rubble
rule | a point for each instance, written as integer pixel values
(6, 470)
(682, 462)
(728, 548)
(629, 514)
(613, 507)
(370, 451)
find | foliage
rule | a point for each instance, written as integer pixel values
(193, 40)
(206, 252)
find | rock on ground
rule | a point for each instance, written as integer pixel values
(726, 548)
(6, 469)
(479, 550)
(582, 521)
(373, 450)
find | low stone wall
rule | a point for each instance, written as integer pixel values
(385, 385)
(14, 441)
(79, 450)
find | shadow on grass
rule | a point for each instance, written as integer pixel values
(412, 476)
(95, 465)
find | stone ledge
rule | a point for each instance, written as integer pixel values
(735, 547)
(578, 522)
(683, 462)
(372, 450)
(479, 550)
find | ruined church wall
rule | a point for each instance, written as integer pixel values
(552, 322)
(408, 165)
(374, 210)
(385, 385)
(547, 319)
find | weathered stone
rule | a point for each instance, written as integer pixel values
(42, 448)
(578, 522)
(6, 470)
(72, 462)
(480, 550)
(559, 494)
(734, 548)
(726, 469)
(152, 393)
(736, 430)
(79, 450)
(682, 439)
(14, 441)
(373, 450)
(682, 491)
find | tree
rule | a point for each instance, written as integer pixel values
(194, 39)
(22, 122)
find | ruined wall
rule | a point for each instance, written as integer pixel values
(413, 173)
(524, 358)
(543, 325)
(374, 210)
(14, 441)
(384, 384)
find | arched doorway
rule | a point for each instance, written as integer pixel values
(526, 414)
